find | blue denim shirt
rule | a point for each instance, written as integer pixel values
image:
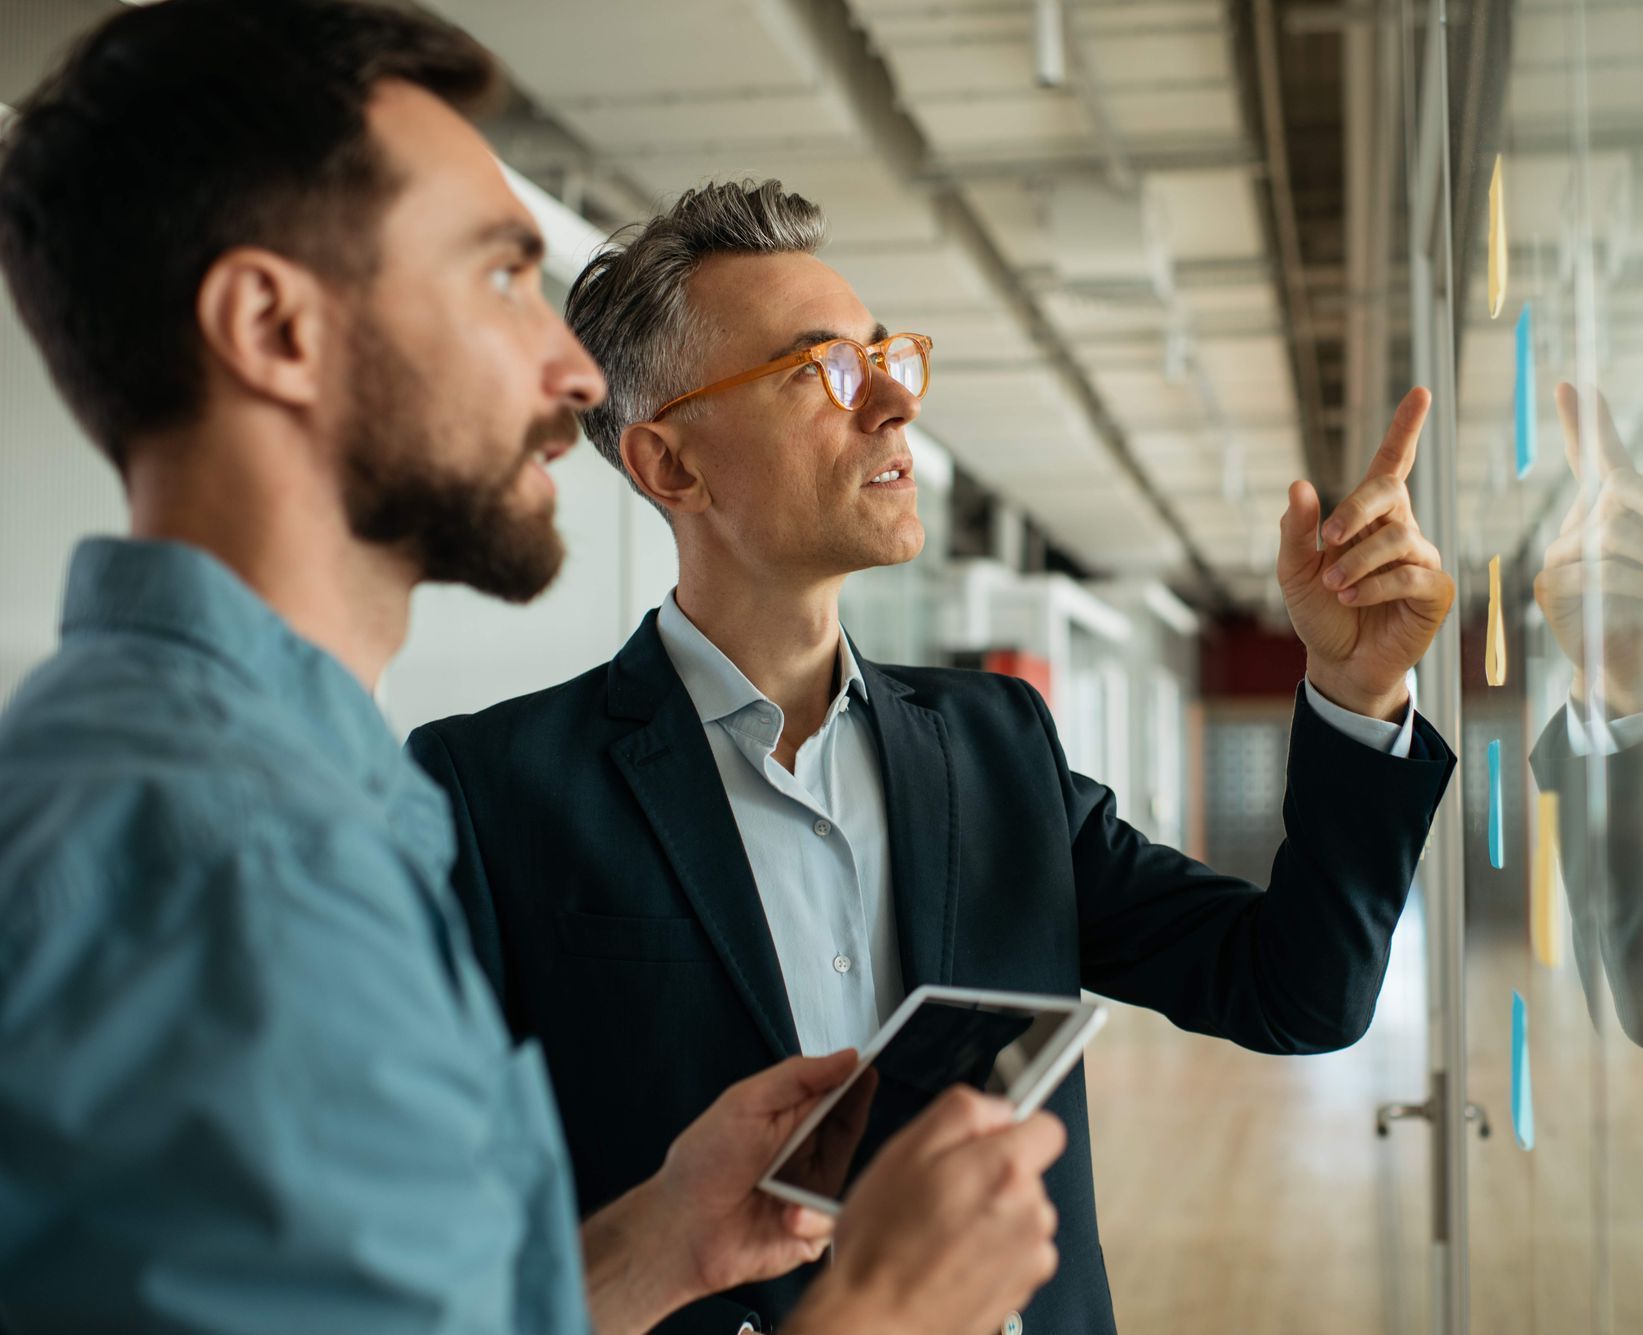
(251, 1076)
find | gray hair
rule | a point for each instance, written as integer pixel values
(629, 306)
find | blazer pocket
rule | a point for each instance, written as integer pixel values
(604, 937)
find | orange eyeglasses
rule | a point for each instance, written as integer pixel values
(846, 369)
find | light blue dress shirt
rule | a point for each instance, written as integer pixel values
(818, 839)
(251, 1076)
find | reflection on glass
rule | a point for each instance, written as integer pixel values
(1590, 591)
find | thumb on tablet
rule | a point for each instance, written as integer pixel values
(798, 1080)
(803, 1222)
(960, 1114)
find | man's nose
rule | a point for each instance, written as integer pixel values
(889, 402)
(570, 376)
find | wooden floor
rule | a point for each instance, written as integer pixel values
(1241, 1193)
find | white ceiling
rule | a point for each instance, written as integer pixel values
(672, 94)
(1198, 379)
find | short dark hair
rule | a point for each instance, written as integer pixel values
(173, 133)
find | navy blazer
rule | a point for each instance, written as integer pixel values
(613, 907)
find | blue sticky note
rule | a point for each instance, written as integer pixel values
(1523, 1090)
(1497, 836)
(1525, 394)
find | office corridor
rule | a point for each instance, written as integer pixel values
(1248, 1193)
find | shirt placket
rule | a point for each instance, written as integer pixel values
(841, 965)
(854, 957)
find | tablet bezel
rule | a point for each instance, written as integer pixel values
(1084, 1017)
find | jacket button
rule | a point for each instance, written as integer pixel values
(1013, 1325)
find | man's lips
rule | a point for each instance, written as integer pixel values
(891, 473)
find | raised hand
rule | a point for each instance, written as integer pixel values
(1613, 522)
(1368, 605)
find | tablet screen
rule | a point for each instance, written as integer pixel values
(942, 1043)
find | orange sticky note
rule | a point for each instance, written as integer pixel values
(1546, 921)
(1498, 253)
(1494, 648)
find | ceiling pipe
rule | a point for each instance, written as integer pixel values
(851, 71)
(1291, 265)
(1360, 124)
(1384, 292)
(1086, 86)
(1049, 43)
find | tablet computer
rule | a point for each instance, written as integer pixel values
(1016, 1045)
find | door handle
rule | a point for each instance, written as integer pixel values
(1387, 1113)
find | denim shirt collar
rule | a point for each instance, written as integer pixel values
(178, 592)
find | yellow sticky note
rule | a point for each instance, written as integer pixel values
(1546, 923)
(1497, 241)
(1494, 649)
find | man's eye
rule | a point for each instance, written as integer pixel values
(502, 278)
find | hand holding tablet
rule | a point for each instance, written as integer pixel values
(1017, 1046)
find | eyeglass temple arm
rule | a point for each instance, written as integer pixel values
(757, 373)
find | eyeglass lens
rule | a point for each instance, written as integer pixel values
(904, 360)
(846, 372)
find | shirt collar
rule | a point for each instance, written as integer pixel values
(717, 687)
(178, 592)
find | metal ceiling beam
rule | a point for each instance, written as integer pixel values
(1007, 162)
(1388, 282)
(1361, 125)
(1011, 9)
(1031, 162)
(1085, 81)
(1291, 264)
(928, 98)
(863, 84)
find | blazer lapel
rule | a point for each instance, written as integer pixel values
(670, 768)
(919, 806)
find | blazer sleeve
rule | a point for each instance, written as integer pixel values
(468, 878)
(1292, 968)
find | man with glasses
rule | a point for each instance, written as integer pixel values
(253, 1079)
(740, 840)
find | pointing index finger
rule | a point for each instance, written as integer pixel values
(1611, 452)
(1396, 456)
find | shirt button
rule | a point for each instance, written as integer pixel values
(842, 963)
(1013, 1325)
(822, 828)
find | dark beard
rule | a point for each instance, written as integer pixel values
(457, 528)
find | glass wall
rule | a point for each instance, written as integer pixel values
(1537, 186)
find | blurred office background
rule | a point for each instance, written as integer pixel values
(1173, 255)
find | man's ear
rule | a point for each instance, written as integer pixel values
(650, 452)
(263, 319)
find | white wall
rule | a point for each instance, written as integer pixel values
(465, 651)
(54, 487)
